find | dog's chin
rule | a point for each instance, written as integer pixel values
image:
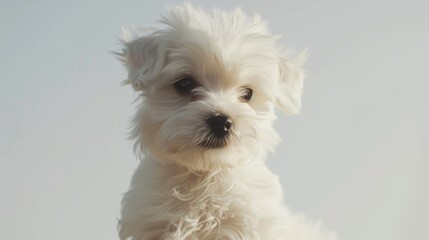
(213, 144)
(207, 156)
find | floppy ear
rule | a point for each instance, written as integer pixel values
(291, 83)
(144, 59)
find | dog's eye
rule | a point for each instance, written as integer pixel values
(247, 95)
(185, 85)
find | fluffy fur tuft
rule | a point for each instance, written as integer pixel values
(185, 188)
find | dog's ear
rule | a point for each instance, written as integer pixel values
(144, 59)
(291, 82)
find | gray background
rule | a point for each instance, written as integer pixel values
(357, 156)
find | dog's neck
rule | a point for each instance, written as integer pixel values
(192, 181)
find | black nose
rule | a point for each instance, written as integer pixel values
(219, 124)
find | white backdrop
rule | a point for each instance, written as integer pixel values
(357, 157)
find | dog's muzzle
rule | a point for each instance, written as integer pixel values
(219, 126)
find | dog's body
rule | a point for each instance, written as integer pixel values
(209, 83)
(203, 205)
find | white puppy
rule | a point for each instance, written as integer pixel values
(209, 84)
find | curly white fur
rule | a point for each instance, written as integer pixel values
(181, 190)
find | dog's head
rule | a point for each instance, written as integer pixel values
(209, 83)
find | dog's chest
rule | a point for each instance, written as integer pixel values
(205, 207)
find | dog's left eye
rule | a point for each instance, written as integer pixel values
(185, 85)
(247, 95)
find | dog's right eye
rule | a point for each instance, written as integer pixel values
(185, 85)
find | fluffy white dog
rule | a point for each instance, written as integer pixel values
(209, 84)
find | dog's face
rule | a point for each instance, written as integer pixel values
(209, 84)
